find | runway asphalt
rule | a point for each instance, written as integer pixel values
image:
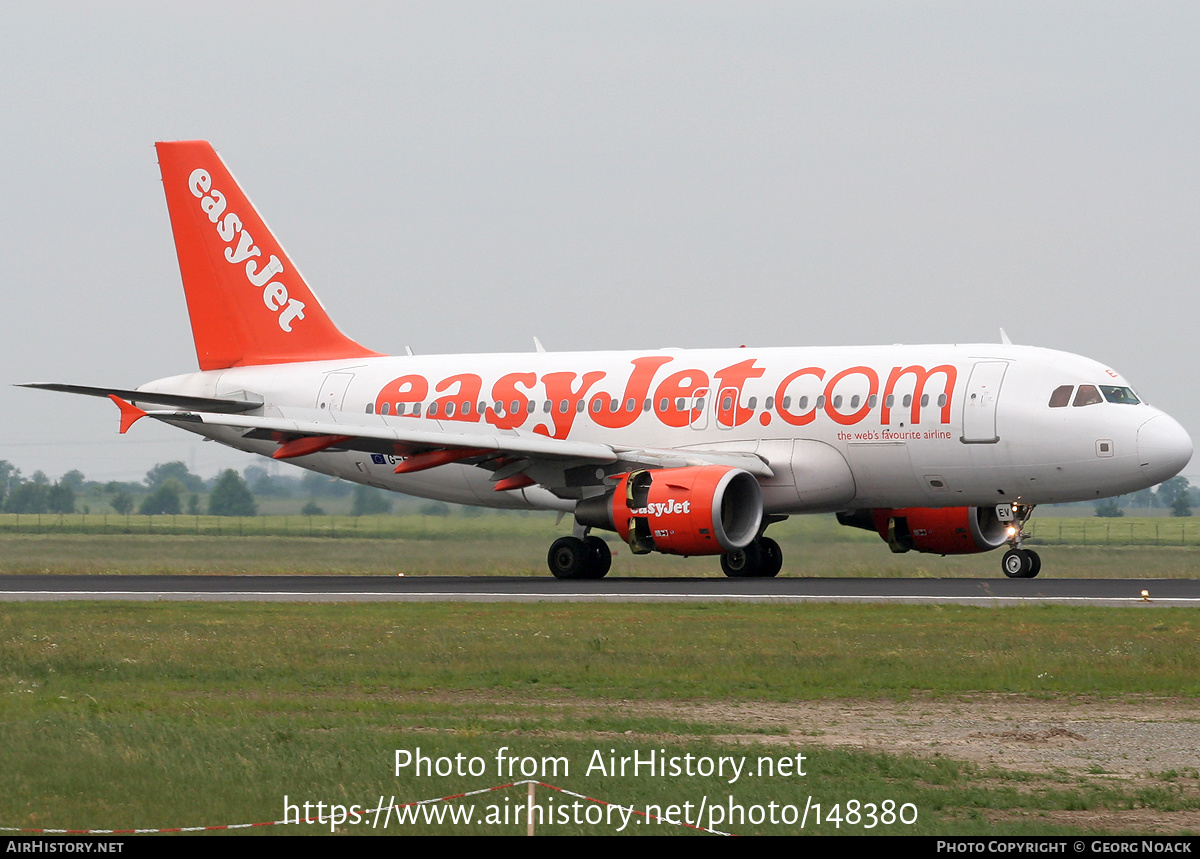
(994, 592)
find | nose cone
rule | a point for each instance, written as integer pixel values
(1164, 448)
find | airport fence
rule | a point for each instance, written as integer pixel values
(1132, 531)
(327, 527)
(1082, 531)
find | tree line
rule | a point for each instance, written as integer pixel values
(170, 488)
(1176, 495)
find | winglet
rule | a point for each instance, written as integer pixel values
(130, 414)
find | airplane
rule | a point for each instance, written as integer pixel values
(941, 449)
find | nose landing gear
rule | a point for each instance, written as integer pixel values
(1019, 562)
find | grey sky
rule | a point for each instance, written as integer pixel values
(460, 177)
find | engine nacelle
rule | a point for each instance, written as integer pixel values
(937, 530)
(699, 510)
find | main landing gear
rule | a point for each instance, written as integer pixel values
(761, 559)
(1018, 562)
(587, 557)
(575, 558)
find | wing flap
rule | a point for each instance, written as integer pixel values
(361, 437)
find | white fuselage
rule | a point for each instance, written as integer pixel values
(841, 428)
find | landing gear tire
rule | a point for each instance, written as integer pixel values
(568, 558)
(744, 563)
(1021, 563)
(1035, 563)
(599, 558)
(772, 558)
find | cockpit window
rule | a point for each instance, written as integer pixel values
(1061, 396)
(1087, 396)
(1121, 396)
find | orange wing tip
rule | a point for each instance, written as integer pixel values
(130, 414)
(517, 481)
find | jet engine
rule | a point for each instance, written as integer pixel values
(938, 530)
(699, 510)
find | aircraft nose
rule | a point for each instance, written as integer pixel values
(1164, 448)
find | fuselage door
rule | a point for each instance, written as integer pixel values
(333, 392)
(979, 403)
(698, 419)
(726, 408)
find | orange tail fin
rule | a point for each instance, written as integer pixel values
(247, 302)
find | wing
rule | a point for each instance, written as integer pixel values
(563, 466)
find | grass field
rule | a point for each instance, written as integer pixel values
(169, 714)
(178, 715)
(517, 545)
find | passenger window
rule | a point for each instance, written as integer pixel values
(1061, 396)
(1087, 396)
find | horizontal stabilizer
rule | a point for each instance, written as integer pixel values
(219, 405)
